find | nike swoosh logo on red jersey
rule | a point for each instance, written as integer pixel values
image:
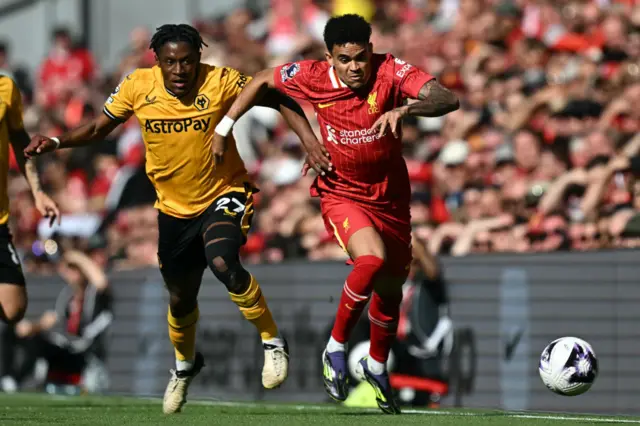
(322, 106)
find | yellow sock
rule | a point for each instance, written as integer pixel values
(254, 308)
(182, 333)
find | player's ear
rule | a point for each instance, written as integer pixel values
(155, 56)
(370, 48)
(328, 57)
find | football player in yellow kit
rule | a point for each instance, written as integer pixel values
(205, 206)
(13, 292)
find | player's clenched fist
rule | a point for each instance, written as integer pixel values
(39, 145)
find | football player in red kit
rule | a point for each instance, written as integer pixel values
(364, 188)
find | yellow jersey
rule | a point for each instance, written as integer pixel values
(177, 134)
(10, 120)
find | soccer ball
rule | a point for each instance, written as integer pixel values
(568, 366)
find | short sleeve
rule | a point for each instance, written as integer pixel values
(119, 106)
(291, 79)
(408, 79)
(14, 117)
(232, 82)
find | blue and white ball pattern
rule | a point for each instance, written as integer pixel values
(568, 366)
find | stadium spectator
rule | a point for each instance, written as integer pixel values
(82, 313)
(545, 130)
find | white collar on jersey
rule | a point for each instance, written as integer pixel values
(333, 76)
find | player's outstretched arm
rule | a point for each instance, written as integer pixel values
(252, 94)
(435, 100)
(262, 91)
(97, 129)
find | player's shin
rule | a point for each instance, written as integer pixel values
(222, 249)
(254, 307)
(355, 295)
(182, 333)
(384, 312)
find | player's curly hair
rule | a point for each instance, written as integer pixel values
(350, 28)
(174, 33)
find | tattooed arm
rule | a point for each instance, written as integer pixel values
(435, 100)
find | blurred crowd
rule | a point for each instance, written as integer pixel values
(541, 156)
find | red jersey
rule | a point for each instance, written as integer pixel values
(368, 169)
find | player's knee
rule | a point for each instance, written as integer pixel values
(375, 249)
(371, 262)
(13, 313)
(182, 304)
(231, 273)
(379, 252)
(224, 262)
(183, 299)
(220, 265)
(220, 269)
(13, 303)
(389, 288)
(367, 242)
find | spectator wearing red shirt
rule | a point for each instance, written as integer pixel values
(64, 70)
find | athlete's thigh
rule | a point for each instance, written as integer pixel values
(229, 218)
(396, 235)
(180, 252)
(352, 228)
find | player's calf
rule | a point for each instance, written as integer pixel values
(384, 312)
(355, 296)
(182, 320)
(244, 291)
(368, 251)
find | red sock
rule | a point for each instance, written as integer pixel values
(355, 295)
(383, 317)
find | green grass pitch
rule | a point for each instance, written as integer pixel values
(33, 409)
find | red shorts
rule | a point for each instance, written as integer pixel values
(343, 219)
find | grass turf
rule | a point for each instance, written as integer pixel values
(36, 409)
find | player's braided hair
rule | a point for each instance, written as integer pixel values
(345, 29)
(174, 33)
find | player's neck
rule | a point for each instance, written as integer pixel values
(360, 91)
(363, 90)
